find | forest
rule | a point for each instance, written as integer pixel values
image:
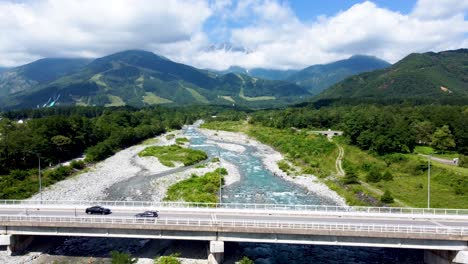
(52, 136)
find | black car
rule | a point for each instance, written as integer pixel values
(148, 214)
(98, 210)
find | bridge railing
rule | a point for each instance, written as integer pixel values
(245, 206)
(195, 223)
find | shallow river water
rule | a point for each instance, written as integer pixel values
(259, 185)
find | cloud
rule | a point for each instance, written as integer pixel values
(93, 28)
(279, 39)
(269, 30)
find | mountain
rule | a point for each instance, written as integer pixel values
(2, 69)
(269, 74)
(316, 78)
(426, 75)
(39, 72)
(140, 78)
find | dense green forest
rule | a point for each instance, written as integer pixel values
(56, 135)
(377, 128)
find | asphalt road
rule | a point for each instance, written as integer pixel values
(239, 216)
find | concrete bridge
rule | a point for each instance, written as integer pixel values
(442, 233)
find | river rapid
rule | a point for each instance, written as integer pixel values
(255, 183)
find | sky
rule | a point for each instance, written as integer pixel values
(216, 34)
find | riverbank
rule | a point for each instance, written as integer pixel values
(270, 158)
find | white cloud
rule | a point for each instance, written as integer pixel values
(278, 39)
(92, 28)
(274, 36)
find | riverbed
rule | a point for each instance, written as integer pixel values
(254, 177)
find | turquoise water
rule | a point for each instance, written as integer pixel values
(257, 184)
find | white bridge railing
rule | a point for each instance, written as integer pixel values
(196, 223)
(247, 206)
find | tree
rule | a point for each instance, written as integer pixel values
(387, 176)
(374, 175)
(350, 177)
(387, 197)
(122, 258)
(423, 131)
(442, 139)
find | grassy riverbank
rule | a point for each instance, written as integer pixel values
(167, 155)
(200, 189)
(310, 154)
(405, 174)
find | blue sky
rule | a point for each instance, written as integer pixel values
(279, 34)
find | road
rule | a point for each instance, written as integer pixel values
(224, 216)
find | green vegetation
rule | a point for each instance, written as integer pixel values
(427, 150)
(152, 99)
(140, 78)
(284, 166)
(440, 75)
(167, 155)
(200, 189)
(171, 259)
(122, 258)
(64, 133)
(387, 197)
(170, 136)
(182, 140)
(312, 153)
(245, 260)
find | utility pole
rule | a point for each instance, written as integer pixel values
(429, 181)
(40, 177)
(219, 174)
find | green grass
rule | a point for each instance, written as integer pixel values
(167, 155)
(449, 184)
(258, 98)
(150, 141)
(115, 101)
(181, 141)
(313, 154)
(199, 189)
(200, 98)
(170, 136)
(426, 150)
(152, 99)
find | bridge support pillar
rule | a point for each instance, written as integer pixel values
(445, 257)
(216, 252)
(15, 243)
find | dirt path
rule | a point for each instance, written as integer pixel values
(339, 168)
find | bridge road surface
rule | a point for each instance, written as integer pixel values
(220, 215)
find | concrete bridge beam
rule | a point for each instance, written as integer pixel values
(216, 252)
(445, 257)
(15, 243)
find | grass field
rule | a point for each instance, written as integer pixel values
(167, 155)
(199, 189)
(314, 154)
(152, 99)
(426, 150)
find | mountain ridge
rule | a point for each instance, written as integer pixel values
(430, 74)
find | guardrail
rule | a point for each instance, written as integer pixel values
(195, 223)
(264, 207)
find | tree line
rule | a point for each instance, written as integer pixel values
(381, 129)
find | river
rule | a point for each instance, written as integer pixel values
(259, 185)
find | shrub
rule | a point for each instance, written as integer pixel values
(78, 164)
(245, 260)
(284, 166)
(350, 177)
(19, 174)
(122, 258)
(387, 197)
(171, 259)
(463, 161)
(374, 175)
(387, 176)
